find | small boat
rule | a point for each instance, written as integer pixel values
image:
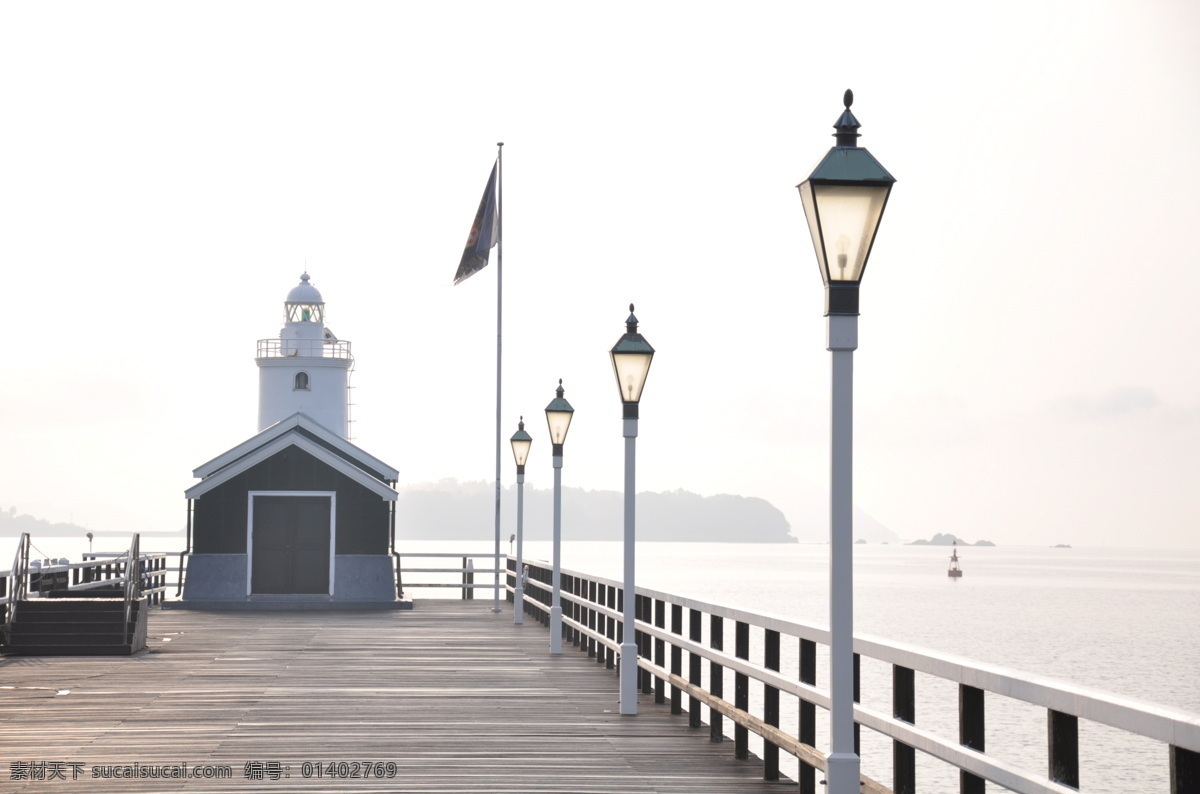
(955, 572)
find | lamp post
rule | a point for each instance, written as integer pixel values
(844, 198)
(521, 442)
(631, 357)
(558, 418)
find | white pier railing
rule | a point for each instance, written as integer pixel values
(592, 621)
(460, 576)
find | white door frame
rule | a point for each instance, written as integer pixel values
(250, 531)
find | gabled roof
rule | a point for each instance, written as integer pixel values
(303, 433)
(316, 433)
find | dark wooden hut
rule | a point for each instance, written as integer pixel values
(295, 517)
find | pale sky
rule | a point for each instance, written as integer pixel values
(1027, 369)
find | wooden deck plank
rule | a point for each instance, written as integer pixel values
(459, 698)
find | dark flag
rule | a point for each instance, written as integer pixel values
(484, 234)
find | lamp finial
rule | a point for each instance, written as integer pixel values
(847, 126)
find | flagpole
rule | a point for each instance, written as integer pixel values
(499, 327)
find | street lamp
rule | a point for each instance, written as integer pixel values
(631, 357)
(844, 198)
(521, 441)
(558, 418)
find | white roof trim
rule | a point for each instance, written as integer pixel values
(283, 426)
(289, 440)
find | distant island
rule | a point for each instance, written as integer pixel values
(1061, 546)
(948, 539)
(453, 510)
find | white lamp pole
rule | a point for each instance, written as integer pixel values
(558, 418)
(844, 199)
(631, 357)
(521, 442)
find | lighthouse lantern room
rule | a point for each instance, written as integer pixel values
(306, 369)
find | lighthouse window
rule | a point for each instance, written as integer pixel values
(305, 313)
(301, 382)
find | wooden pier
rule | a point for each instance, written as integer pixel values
(457, 698)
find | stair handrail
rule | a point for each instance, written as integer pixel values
(19, 576)
(133, 578)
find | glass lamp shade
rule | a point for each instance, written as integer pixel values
(631, 357)
(521, 442)
(843, 219)
(631, 370)
(558, 417)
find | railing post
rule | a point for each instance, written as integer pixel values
(568, 585)
(660, 647)
(610, 656)
(676, 657)
(770, 704)
(904, 707)
(578, 610)
(741, 690)
(533, 591)
(1185, 771)
(618, 624)
(716, 677)
(564, 606)
(1063, 740)
(592, 619)
(970, 734)
(602, 621)
(808, 715)
(538, 591)
(645, 648)
(468, 578)
(857, 699)
(696, 635)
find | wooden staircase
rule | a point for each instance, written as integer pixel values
(93, 626)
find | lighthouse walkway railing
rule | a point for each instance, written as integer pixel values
(307, 348)
(732, 662)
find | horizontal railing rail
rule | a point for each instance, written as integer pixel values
(99, 570)
(592, 621)
(461, 577)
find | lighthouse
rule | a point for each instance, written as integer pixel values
(297, 516)
(306, 369)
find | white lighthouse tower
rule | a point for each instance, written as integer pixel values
(306, 369)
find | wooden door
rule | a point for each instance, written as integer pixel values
(291, 545)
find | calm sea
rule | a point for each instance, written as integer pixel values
(1122, 620)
